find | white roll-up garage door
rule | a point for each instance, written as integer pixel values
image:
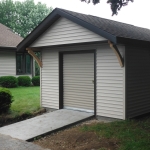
(78, 81)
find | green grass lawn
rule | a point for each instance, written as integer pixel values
(26, 100)
(130, 134)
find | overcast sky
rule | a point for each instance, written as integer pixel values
(135, 13)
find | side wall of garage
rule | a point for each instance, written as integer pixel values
(138, 81)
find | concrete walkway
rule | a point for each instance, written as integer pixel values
(8, 143)
(28, 129)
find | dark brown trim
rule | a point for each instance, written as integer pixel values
(8, 48)
(125, 63)
(61, 75)
(95, 82)
(133, 42)
(74, 44)
(61, 80)
(32, 67)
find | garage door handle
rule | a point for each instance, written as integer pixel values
(93, 81)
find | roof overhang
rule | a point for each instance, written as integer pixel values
(8, 48)
(50, 19)
(133, 42)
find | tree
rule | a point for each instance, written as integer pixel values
(22, 17)
(115, 4)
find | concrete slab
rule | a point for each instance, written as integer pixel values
(28, 129)
(9, 143)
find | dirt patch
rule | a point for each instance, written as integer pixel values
(6, 120)
(75, 139)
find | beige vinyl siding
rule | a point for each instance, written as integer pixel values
(65, 31)
(138, 81)
(50, 73)
(110, 84)
(78, 74)
(110, 78)
(7, 63)
(50, 79)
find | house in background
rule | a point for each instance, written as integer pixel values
(12, 63)
(92, 64)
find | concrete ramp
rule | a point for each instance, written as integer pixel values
(28, 129)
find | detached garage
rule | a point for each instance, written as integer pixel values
(92, 64)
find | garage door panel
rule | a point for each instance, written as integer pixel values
(76, 105)
(77, 100)
(79, 91)
(78, 77)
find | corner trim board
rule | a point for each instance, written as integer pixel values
(30, 51)
(116, 51)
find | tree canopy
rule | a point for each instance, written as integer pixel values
(115, 4)
(22, 17)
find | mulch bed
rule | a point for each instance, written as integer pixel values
(75, 139)
(6, 120)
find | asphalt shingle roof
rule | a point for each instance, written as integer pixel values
(8, 38)
(115, 28)
(116, 32)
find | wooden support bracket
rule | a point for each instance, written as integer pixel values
(116, 51)
(30, 51)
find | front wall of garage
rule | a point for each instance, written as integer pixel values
(110, 84)
(50, 79)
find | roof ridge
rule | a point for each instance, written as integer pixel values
(105, 19)
(120, 22)
(115, 31)
(78, 17)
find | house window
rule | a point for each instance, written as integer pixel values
(23, 63)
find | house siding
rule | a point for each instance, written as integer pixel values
(138, 81)
(65, 31)
(110, 84)
(7, 63)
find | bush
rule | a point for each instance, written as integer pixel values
(8, 81)
(24, 81)
(36, 80)
(5, 100)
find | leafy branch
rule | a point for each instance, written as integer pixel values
(115, 4)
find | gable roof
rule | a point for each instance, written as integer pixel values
(8, 38)
(117, 32)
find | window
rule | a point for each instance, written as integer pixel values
(23, 63)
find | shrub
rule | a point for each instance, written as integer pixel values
(6, 99)
(36, 80)
(8, 81)
(24, 81)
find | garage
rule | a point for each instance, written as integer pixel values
(78, 81)
(92, 64)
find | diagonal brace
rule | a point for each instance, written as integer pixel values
(30, 51)
(116, 51)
